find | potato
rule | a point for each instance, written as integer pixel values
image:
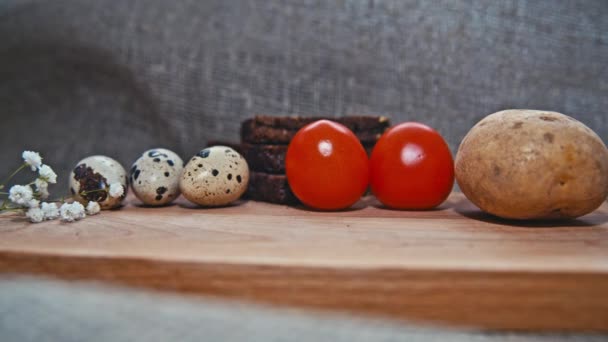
(530, 164)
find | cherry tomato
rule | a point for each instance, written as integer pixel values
(326, 165)
(411, 167)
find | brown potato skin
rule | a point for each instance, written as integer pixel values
(529, 164)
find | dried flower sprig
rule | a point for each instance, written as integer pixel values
(93, 208)
(26, 198)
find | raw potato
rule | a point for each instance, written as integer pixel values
(529, 164)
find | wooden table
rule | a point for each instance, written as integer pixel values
(454, 265)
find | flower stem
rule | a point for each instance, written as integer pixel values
(62, 199)
(5, 208)
(3, 193)
(13, 209)
(13, 174)
(91, 191)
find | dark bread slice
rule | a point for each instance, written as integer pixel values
(270, 188)
(354, 123)
(280, 130)
(280, 136)
(265, 158)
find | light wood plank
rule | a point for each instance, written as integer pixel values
(454, 265)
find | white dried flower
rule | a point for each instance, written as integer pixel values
(93, 208)
(20, 194)
(72, 212)
(33, 203)
(35, 215)
(42, 187)
(50, 211)
(32, 159)
(47, 173)
(79, 209)
(116, 190)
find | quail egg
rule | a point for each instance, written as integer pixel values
(155, 176)
(215, 176)
(97, 178)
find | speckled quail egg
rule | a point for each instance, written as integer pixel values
(215, 176)
(92, 178)
(155, 176)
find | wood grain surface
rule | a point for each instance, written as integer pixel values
(454, 265)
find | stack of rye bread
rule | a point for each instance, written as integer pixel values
(264, 141)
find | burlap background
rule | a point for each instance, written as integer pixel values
(82, 77)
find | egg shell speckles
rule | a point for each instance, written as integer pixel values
(97, 173)
(215, 176)
(154, 177)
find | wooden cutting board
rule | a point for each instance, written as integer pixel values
(454, 265)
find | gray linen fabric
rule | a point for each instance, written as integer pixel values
(40, 310)
(82, 77)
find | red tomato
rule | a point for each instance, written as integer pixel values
(326, 165)
(411, 167)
